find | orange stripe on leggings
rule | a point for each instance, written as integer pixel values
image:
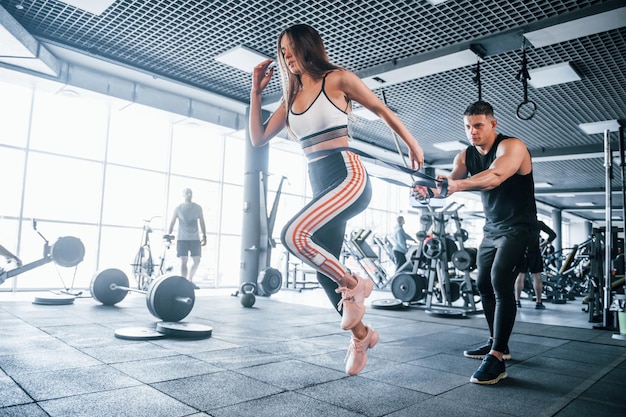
(321, 213)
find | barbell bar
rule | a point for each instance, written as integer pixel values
(114, 287)
(169, 297)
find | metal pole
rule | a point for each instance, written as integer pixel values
(621, 335)
(608, 233)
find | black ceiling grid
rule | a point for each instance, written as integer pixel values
(179, 40)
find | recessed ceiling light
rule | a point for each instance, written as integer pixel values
(242, 58)
(574, 29)
(552, 75)
(92, 6)
(543, 185)
(599, 127)
(364, 113)
(421, 69)
(454, 145)
(564, 195)
(585, 204)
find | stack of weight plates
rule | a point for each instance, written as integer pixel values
(166, 329)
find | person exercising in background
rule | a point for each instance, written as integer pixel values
(500, 167)
(533, 264)
(189, 216)
(399, 246)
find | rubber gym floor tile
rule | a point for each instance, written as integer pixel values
(364, 396)
(535, 340)
(14, 343)
(417, 378)
(127, 350)
(81, 336)
(587, 408)
(581, 356)
(68, 382)
(617, 375)
(141, 401)
(607, 392)
(336, 360)
(216, 390)
(287, 404)
(399, 351)
(164, 369)
(238, 357)
(53, 360)
(12, 394)
(571, 333)
(560, 366)
(594, 348)
(514, 396)
(24, 410)
(439, 407)
(404, 331)
(294, 348)
(452, 363)
(292, 374)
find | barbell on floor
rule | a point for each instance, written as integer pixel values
(169, 297)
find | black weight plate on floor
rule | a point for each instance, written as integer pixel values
(100, 286)
(388, 304)
(270, 281)
(161, 297)
(184, 329)
(54, 300)
(138, 333)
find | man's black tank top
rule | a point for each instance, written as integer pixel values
(509, 208)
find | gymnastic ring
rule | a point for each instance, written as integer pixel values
(519, 108)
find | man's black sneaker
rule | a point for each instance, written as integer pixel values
(490, 371)
(518, 304)
(540, 306)
(480, 352)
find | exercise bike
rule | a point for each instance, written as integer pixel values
(67, 251)
(144, 268)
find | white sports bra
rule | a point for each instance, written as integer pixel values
(320, 122)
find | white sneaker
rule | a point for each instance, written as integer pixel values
(357, 351)
(352, 302)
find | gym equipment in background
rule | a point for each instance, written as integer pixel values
(356, 246)
(67, 251)
(144, 268)
(428, 280)
(269, 280)
(169, 297)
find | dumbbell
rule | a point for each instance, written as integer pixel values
(169, 297)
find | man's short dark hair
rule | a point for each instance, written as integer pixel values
(479, 107)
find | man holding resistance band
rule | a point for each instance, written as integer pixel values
(500, 168)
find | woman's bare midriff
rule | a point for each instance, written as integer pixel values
(340, 142)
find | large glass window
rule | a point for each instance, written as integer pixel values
(96, 169)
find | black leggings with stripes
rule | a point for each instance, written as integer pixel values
(341, 190)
